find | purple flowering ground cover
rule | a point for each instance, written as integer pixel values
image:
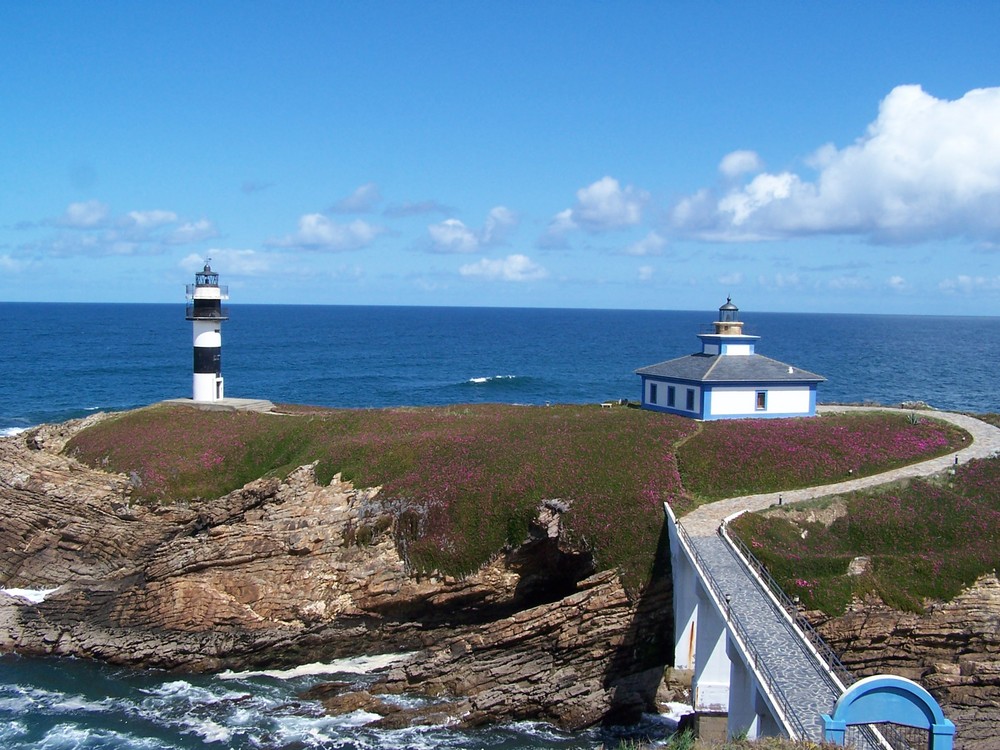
(926, 540)
(728, 458)
(463, 481)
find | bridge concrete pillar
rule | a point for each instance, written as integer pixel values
(710, 686)
(685, 609)
(749, 712)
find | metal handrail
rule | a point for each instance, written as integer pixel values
(890, 734)
(826, 653)
(743, 634)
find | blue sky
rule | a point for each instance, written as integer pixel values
(840, 157)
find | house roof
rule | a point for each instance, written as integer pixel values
(716, 368)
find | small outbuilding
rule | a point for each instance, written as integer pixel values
(727, 379)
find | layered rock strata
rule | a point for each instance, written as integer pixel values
(952, 649)
(287, 572)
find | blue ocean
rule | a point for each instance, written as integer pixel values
(60, 361)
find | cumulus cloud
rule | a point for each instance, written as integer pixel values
(453, 236)
(361, 201)
(90, 228)
(601, 206)
(192, 231)
(731, 279)
(232, 261)
(897, 283)
(151, 219)
(652, 244)
(515, 267)
(319, 232)
(85, 215)
(738, 163)
(965, 284)
(925, 168)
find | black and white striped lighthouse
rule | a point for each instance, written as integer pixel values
(206, 313)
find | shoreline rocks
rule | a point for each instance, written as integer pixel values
(287, 572)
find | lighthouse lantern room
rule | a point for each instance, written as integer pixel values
(205, 311)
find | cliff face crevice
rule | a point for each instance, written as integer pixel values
(284, 572)
(952, 649)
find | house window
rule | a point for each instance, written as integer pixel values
(652, 393)
(690, 399)
(761, 400)
(671, 395)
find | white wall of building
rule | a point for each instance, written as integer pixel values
(737, 349)
(743, 400)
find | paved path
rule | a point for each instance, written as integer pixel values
(705, 520)
(782, 653)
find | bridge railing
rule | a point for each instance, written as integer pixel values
(822, 648)
(886, 733)
(760, 666)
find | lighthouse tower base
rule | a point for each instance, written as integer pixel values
(208, 386)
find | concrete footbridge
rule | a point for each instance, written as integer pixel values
(757, 668)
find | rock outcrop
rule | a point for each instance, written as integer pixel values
(952, 649)
(288, 572)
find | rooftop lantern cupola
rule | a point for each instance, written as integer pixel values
(206, 314)
(729, 322)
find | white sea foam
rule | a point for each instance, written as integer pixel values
(354, 665)
(11, 431)
(35, 596)
(672, 712)
(489, 379)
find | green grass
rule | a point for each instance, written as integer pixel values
(463, 482)
(728, 458)
(927, 540)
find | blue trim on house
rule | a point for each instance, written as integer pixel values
(703, 406)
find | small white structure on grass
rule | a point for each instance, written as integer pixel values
(727, 379)
(205, 311)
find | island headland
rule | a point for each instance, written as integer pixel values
(294, 567)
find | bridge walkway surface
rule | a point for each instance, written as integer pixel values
(805, 685)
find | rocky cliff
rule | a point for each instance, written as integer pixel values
(952, 649)
(288, 571)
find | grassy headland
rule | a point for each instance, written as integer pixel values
(924, 539)
(466, 480)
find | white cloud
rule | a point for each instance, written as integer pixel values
(151, 219)
(897, 283)
(731, 279)
(499, 222)
(192, 231)
(230, 261)
(318, 232)
(926, 168)
(848, 283)
(11, 265)
(362, 200)
(652, 244)
(739, 163)
(779, 281)
(453, 236)
(645, 273)
(90, 228)
(85, 215)
(601, 206)
(515, 267)
(964, 284)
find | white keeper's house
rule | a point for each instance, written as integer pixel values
(727, 379)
